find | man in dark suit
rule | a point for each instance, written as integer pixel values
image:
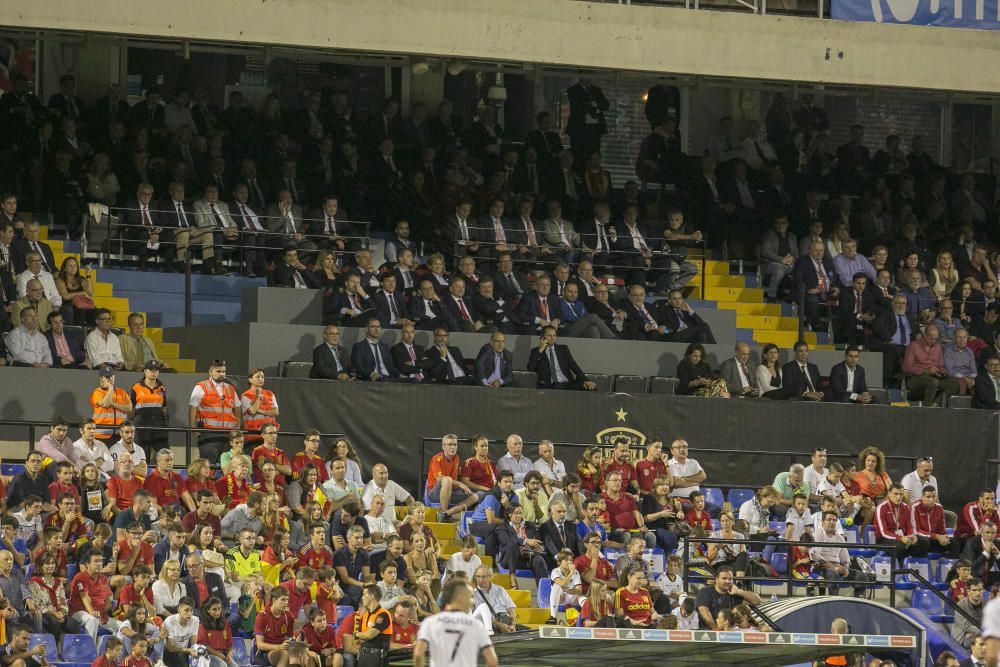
(330, 359)
(847, 380)
(541, 308)
(389, 306)
(740, 373)
(801, 377)
(291, 272)
(426, 310)
(586, 124)
(30, 243)
(66, 102)
(892, 331)
(554, 365)
(198, 579)
(857, 309)
(142, 228)
(814, 272)
(57, 336)
(328, 227)
(406, 355)
(352, 307)
(459, 310)
(978, 650)
(882, 291)
(641, 321)
(461, 231)
(986, 394)
(495, 363)
(494, 311)
(508, 284)
(494, 233)
(686, 326)
(151, 114)
(371, 357)
(597, 237)
(399, 242)
(443, 363)
(546, 143)
(557, 533)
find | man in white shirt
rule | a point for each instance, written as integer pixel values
(915, 481)
(381, 485)
(567, 586)
(513, 461)
(815, 473)
(26, 344)
(182, 630)
(454, 633)
(380, 526)
(102, 345)
(91, 450)
(688, 473)
(35, 271)
(128, 445)
(831, 556)
(552, 469)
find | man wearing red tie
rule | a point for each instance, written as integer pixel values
(540, 309)
(461, 310)
(813, 272)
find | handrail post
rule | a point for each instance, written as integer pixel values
(788, 568)
(187, 287)
(802, 307)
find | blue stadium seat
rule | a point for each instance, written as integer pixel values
(944, 566)
(101, 643)
(343, 611)
(869, 535)
(241, 654)
(713, 496)
(11, 469)
(50, 646)
(464, 523)
(739, 496)
(71, 569)
(544, 592)
(78, 649)
(21, 546)
(779, 561)
(527, 574)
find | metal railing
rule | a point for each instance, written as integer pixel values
(948, 602)
(190, 435)
(759, 7)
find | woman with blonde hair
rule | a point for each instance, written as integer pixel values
(168, 589)
(943, 277)
(733, 555)
(873, 481)
(597, 607)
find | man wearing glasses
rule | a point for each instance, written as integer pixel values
(215, 407)
(102, 345)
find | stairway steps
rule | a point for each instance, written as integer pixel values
(742, 294)
(767, 322)
(769, 309)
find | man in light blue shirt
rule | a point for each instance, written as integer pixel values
(849, 262)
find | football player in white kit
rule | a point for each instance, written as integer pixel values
(454, 637)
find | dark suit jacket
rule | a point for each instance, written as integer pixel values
(503, 289)
(418, 312)
(160, 552)
(879, 300)
(539, 364)
(804, 272)
(400, 357)
(364, 361)
(582, 100)
(216, 588)
(973, 552)
(284, 276)
(884, 328)
(492, 312)
(847, 303)
(437, 368)
(486, 364)
(588, 235)
(795, 381)
(325, 367)
(452, 312)
(983, 396)
(669, 317)
(75, 343)
(19, 249)
(167, 214)
(530, 308)
(838, 383)
(341, 301)
(381, 302)
(549, 535)
(635, 323)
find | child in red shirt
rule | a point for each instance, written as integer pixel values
(137, 658)
(63, 484)
(697, 516)
(112, 654)
(320, 636)
(959, 586)
(328, 593)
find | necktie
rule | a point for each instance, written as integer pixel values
(331, 226)
(545, 308)
(498, 229)
(552, 364)
(857, 303)
(139, 351)
(562, 533)
(377, 355)
(45, 263)
(336, 359)
(820, 277)
(462, 310)
(181, 218)
(530, 229)
(512, 283)
(393, 313)
(746, 374)
(145, 217)
(354, 301)
(464, 229)
(681, 324)
(602, 243)
(649, 318)
(291, 223)
(218, 218)
(901, 329)
(809, 382)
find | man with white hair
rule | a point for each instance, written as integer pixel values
(788, 485)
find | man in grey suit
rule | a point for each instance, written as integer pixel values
(212, 214)
(560, 234)
(778, 251)
(285, 222)
(740, 373)
(494, 363)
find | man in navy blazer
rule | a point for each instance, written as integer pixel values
(806, 273)
(371, 357)
(352, 307)
(460, 311)
(74, 341)
(389, 306)
(426, 310)
(541, 308)
(984, 395)
(567, 375)
(847, 380)
(801, 377)
(495, 363)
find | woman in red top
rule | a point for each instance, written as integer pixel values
(199, 476)
(633, 605)
(269, 484)
(479, 472)
(49, 595)
(202, 538)
(233, 489)
(873, 481)
(259, 406)
(589, 469)
(215, 634)
(272, 518)
(278, 554)
(597, 610)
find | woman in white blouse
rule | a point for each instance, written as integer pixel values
(769, 371)
(168, 589)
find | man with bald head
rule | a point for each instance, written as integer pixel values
(34, 298)
(14, 589)
(740, 373)
(814, 273)
(924, 369)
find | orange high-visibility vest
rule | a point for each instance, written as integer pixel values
(254, 423)
(107, 419)
(148, 399)
(215, 412)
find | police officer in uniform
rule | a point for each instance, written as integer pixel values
(373, 628)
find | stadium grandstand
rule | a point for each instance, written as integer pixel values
(561, 333)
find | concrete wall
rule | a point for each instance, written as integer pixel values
(269, 343)
(561, 32)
